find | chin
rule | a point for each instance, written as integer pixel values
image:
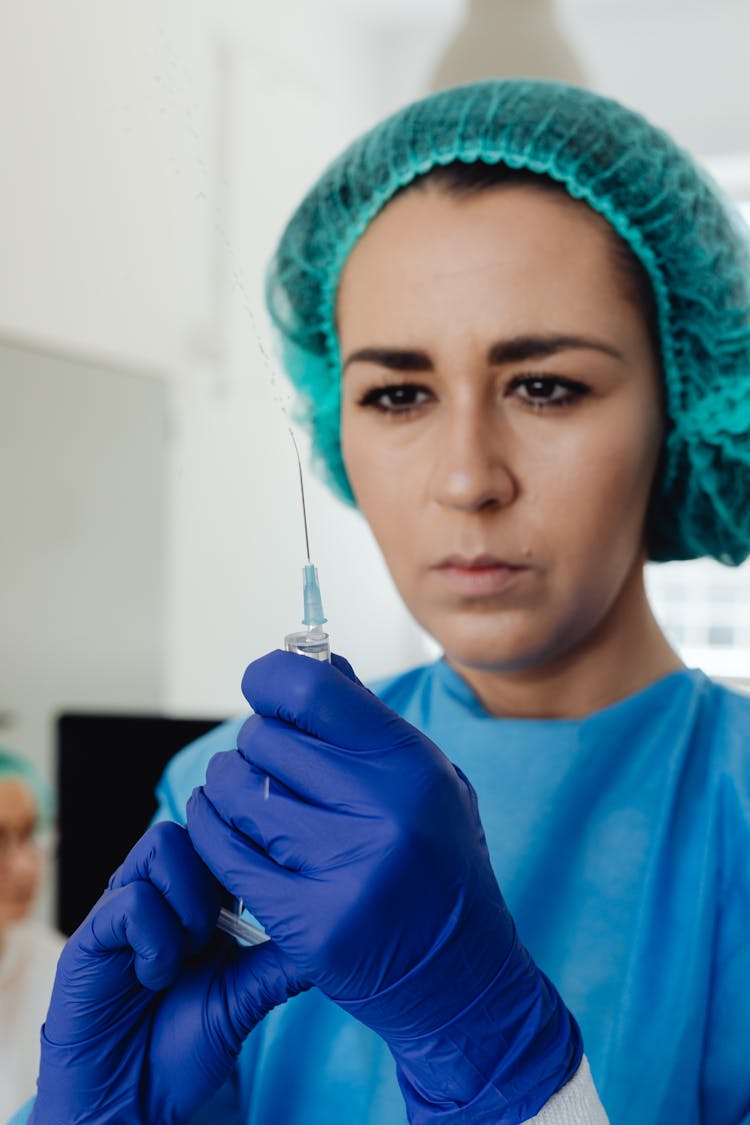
(491, 662)
(489, 654)
(498, 646)
(15, 912)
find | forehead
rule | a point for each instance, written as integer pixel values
(17, 804)
(508, 253)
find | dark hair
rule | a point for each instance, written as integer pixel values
(460, 179)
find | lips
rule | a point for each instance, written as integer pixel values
(478, 562)
(480, 575)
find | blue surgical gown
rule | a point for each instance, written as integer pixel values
(621, 842)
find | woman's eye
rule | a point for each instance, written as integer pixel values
(547, 390)
(397, 398)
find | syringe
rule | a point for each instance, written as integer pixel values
(311, 641)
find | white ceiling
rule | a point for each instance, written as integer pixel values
(684, 63)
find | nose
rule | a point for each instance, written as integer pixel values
(472, 470)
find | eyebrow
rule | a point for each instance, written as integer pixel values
(514, 350)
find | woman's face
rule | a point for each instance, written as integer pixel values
(501, 417)
(20, 865)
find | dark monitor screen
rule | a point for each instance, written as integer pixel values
(107, 768)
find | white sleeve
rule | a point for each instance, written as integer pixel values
(576, 1104)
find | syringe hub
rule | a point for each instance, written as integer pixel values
(311, 641)
(312, 601)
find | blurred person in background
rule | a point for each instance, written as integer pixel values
(28, 949)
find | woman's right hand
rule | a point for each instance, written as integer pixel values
(149, 1010)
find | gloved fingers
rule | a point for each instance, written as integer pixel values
(295, 831)
(261, 978)
(344, 666)
(239, 864)
(136, 917)
(400, 776)
(322, 700)
(312, 770)
(165, 858)
(469, 790)
(236, 783)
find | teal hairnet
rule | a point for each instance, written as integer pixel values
(692, 245)
(13, 765)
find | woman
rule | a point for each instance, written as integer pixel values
(28, 951)
(519, 318)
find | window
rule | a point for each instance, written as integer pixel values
(704, 608)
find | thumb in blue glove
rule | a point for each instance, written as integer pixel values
(368, 866)
(149, 1010)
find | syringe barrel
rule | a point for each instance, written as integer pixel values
(309, 642)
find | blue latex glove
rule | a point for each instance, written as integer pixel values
(149, 1011)
(366, 862)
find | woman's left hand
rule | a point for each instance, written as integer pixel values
(358, 845)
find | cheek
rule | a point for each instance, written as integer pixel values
(24, 874)
(388, 496)
(370, 467)
(35, 870)
(591, 497)
(383, 496)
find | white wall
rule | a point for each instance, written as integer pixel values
(684, 63)
(104, 246)
(291, 100)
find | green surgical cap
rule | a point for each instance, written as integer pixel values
(14, 766)
(694, 248)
